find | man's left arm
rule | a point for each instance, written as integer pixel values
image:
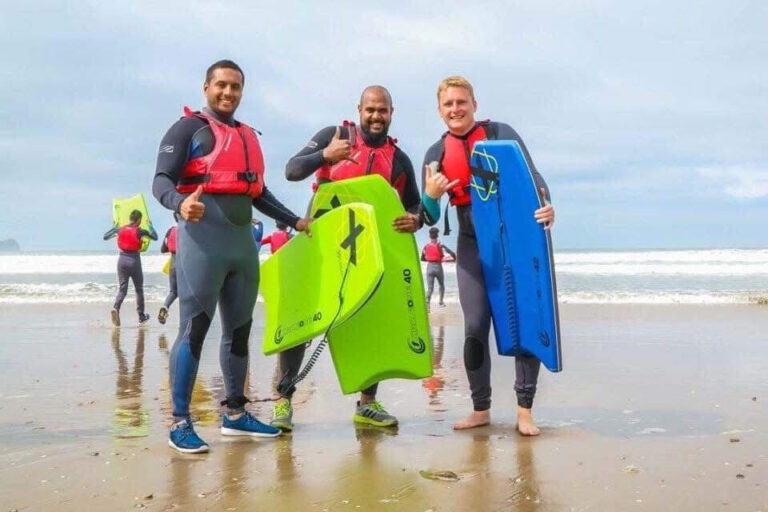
(270, 206)
(402, 169)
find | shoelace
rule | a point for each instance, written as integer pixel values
(376, 406)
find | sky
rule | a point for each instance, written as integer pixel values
(647, 119)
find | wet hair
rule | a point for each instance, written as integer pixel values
(281, 226)
(135, 215)
(222, 64)
(378, 88)
(433, 232)
(455, 81)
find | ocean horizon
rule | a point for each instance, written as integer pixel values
(627, 276)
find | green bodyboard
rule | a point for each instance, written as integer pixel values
(301, 283)
(121, 212)
(389, 336)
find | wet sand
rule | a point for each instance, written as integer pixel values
(658, 408)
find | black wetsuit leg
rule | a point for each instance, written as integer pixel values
(441, 281)
(129, 267)
(431, 276)
(217, 262)
(477, 324)
(173, 287)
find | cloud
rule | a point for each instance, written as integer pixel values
(738, 182)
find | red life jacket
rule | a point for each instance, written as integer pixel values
(369, 161)
(433, 253)
(128, 239)
(171, 240)
(454, 162)
(235, 166)
(276, 240)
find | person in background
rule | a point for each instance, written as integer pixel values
(169, 246)
(129, 263)
(434, 253)
(278, 238)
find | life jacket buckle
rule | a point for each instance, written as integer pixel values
(251, 177)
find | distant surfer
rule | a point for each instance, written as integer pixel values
(169, 247)
(336, 153)
(434, 254)
(446, 170)
(257, 228)
(277, 238)
(129, 263)
(210, 170)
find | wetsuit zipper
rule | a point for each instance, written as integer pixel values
(370, 163)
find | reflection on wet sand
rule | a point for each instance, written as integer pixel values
(131, 418)
(435, 384)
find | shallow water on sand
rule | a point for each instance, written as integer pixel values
(658, 408)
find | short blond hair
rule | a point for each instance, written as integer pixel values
(455, 81)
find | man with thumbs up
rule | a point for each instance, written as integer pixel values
(210, 170)
(337, 153)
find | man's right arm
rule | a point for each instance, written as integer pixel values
(172, 156)
(430, 208)
(304, 163)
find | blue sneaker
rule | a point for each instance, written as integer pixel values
(184, 438)
(246, 425)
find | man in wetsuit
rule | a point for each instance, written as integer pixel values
(129, 263)
(446, 169)
(336, 153)
(210, 170)
(433, 253)
(169, 247)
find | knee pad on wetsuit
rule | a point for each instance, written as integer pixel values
(473, 353)
(197, 330)
(240, 339)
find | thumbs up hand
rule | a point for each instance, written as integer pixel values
(192, 208)
(338, 149)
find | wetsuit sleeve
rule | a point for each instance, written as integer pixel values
(304, 163)
(403, 170)
(111, 233)
(453, 254)
(424, 254)
(172, 156)
(269, 205)
(506, 132)
(151, 233)
(430, 208)
(258, 231)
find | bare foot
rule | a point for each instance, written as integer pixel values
(476, 419)
(525, 424)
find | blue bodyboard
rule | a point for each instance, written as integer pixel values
(515, 253)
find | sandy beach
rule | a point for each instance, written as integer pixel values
(658, 408)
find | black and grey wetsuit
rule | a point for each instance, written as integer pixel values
(301, 166)
(435, 272)
(472, 293)
(129, 267)
(216, 263)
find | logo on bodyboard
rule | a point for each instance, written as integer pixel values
(279, 336)
(351, 241)
(335, 203)
(418, 346)
(544, 338)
